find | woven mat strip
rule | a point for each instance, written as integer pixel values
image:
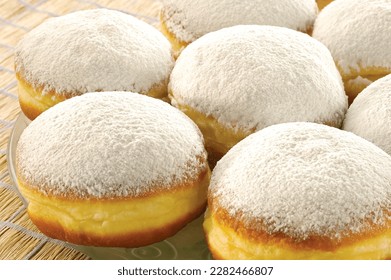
(19, 238)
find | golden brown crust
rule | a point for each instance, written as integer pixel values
(176, 44)
(64, 217)
(227, 243)
(30, 105)
(54, 229)
(39, 89)
(219, 139)
(30, 112)
(213, 157)
(323, 3)
(254, 232)
(370, 74)
(33, 102)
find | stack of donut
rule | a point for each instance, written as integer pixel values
(256, 91)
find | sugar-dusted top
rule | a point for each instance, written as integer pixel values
(250, 77)
(190, 19)
(358, 33)
(109, 145)
(370, 114)
(94, 50)
(304, 179)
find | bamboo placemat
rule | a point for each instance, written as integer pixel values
(19, 239)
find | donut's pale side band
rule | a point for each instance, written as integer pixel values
(218, 138)
(177, 45)
(33, 102)
(226, 243)
(113, 222)
(366, 75)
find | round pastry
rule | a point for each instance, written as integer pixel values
(358, 35)
(185, 21)
(241, 79)
(89, 51)
(112, 169)
(300, 191)
(369, 116)
(323, 3)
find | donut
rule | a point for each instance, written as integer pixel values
(323, 3)
(300, 191)
(241, 79)
(185, 21)
(358, 35)
(369, 116)
(115, 169)
(90, 51)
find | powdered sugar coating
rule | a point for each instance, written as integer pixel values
(250, 77)
(110, 144)
(370, 114)
(302, 179)
(94, 50)
(190, 19)
(358, 33)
